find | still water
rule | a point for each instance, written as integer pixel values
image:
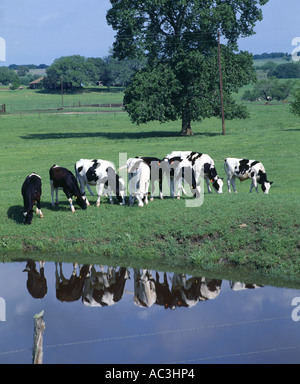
(113, 315)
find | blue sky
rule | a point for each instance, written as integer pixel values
(38, 32)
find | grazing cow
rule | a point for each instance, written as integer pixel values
(204, 163)
(139, 180)
(244, 169)
(32, 191)
(200, 164)
(169, 164)
(156, 173)
(62, 178)
(36, 282)
(68, 290)
(100, 173)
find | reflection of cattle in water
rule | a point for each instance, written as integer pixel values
(238, 286)
(187, 292)
(36, 282)
(144, 288)
(163, 294)
(210, 289)
(104, 288)
(70, 289)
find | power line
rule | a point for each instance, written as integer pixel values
(160, 333)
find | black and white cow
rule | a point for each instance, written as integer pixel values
(169, 164)
(156, 173)
(31, 192)
(62, 178)
(194, 164)
(100, 173)
(244, 169)
(202, 162)
(138, 180)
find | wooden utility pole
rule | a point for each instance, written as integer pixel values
(221, 85)
(62, 92)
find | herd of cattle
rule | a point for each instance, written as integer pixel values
(98, 286)
(176, 167)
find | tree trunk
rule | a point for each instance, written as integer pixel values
(186, 128)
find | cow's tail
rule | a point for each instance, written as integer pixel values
(121, 168)
(76, 171)
(225, 166)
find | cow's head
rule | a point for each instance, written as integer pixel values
(218, 185)
(265, 186)
(81, 201)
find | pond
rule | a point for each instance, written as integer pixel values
(115, 315)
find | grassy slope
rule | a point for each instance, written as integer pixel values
(165, 233)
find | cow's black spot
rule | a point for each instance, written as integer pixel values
(244, 166)
(193, 156)
(91, 175)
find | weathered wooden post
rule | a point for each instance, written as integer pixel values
(39, 327)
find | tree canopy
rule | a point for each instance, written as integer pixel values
(179, 40)
(72, 71)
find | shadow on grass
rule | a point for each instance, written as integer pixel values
(15, 212)
(109, 135)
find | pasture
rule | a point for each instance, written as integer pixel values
(254, 234)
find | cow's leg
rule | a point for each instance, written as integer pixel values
(145, 190)
(139, 195)
(89, 189)
(152, 190)
(56, 193)
(233, 184)
(52, 192)
(38, 208)
(82, 190)
(179, 188)
(228, 183)
(86, 200)
(99, 188)
(71, 205)
(171, 179)
(69, 197)
(208, 185)
(254, 184)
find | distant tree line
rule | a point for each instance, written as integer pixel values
(272, 55)
(281, 71)
(74, 72)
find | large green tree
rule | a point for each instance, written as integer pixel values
(72, 71)
(179, 38)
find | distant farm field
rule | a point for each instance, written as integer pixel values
(253, 233)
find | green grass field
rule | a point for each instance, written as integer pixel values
(253, 235)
